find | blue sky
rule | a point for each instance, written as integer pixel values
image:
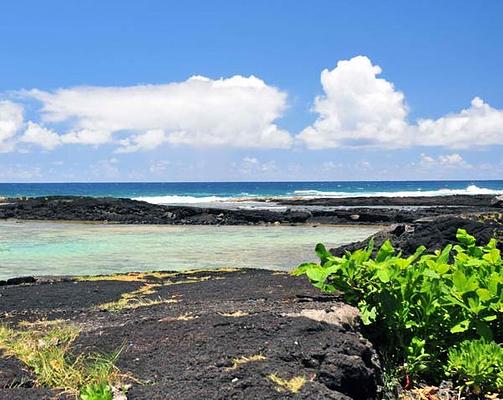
(100, 91)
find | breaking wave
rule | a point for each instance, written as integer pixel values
(180, 199)
(470, 190)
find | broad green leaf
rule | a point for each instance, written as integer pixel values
(316, 273)
(302, 268)
(443, 258)
(323, 253)
(461, 327)
(384, 274)
(484, 294)
(464, 238)
(385, 251)
(493, 257)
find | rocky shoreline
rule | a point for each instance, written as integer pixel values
(184, 348)
(363, 210)
(183, 332)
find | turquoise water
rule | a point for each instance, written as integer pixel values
(52, 248)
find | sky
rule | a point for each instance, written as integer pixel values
(270, 90)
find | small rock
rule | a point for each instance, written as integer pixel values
(21, 280)
(354, 217)
(497, 201)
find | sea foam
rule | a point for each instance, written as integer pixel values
(469, 190)
(174, 199)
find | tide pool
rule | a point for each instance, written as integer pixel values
(55, 248)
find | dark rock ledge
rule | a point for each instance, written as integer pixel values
(316, 211)
(185, 350)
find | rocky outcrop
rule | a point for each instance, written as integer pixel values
(127, 211)
(497, 201)
(186, 349)
(434, 233)
(138, 212)
(481, 200)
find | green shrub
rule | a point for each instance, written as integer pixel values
(477, 364)
(419, 306)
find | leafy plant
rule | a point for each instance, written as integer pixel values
(101, 391)
(478, 365)
(418, 306)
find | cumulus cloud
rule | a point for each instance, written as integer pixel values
(87, 136)
(40, 136)
(359, 109)
(234, 112)
(49, 139)
(479, 125)
(145, 141)
(446, 160)
(11, 121)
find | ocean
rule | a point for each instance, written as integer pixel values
(207, 192)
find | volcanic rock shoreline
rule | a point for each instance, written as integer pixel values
(185, 347)
(362, 210)
(183, 340)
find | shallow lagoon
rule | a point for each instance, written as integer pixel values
(54, 248)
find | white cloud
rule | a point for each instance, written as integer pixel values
(145, 141)
(358, 109)
(87, 136)
(40, 136)
(11, 121)
(48, 139)
(453, 160)
(479, 125)
(250, 160)
(235, 112)
(251, 165)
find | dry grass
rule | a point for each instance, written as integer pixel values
(147, 276)
(186, 317)
(238, 362)
(45, 349)
(235, 314)
(136, 299)
(293, 385)
(41, 324)
(188, 281)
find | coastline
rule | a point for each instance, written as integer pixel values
(203, 321)
(355, 210)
